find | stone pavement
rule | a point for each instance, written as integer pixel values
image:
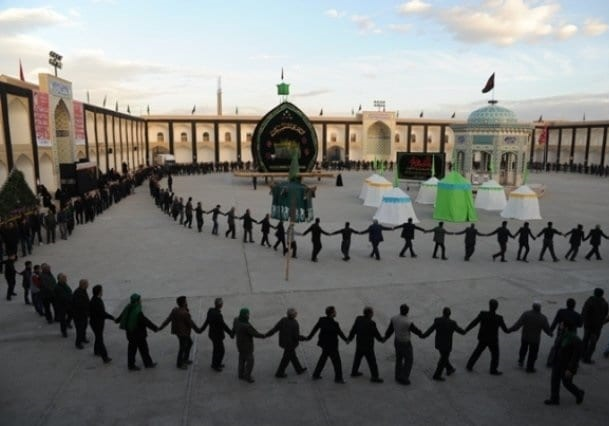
(133, 247)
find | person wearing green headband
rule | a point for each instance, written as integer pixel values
(244, 335)
(133, 321)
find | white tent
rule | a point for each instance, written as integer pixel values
(395, 208)
(362, 193)
(377, 186)
(522, 205)
(490, 196)
(427, 191)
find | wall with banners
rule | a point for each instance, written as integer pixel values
(79, 123)
(41, 119)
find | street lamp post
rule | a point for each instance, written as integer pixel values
(55, 60)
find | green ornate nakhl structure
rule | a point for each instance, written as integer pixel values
(292, 200)
(283, 130)
(16, 197)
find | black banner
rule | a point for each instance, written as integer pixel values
(417, 165)
(279, 133)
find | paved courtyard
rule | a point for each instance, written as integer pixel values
(133, 247)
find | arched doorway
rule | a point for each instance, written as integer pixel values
(47, 177)
(26, 166)
(379, 140)
(65, 152)
(508, 168)
(19, 122)
(336, 153)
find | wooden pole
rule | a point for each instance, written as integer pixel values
(290, 233)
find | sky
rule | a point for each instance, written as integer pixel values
(550, 57)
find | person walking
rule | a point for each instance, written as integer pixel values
(503, 234)
(402, 326)
(594, 315)
(214, 218)
(26, 281)
(248, 225)
(80, 312)
(565, 366)
(595, 235)
(488, 336)
(10, 275)
(532, 322)
(181, 325)
(63, 304)
(329, 332)
(199, 216)
(365, 331)
(548, 241)
(577, 236)
(47, 292)
(289, 338)
(568, 316)
(316, 232)
(408, 231)
(444, 328)
(375, 236)
(50, 223)
(280, 235)
(230, 220)
(35, 290)
(470, 240)
(265, 229)
(244, 333)
(217, 332)
(135, 323)
(345, 243)
(439, 234)
(188, 211)
(523, 235)
(98, 317)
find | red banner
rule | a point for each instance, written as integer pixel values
(41, 118)
(79, 123)
(543, 136)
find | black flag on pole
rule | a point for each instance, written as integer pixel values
(490, 84)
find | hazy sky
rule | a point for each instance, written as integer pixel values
(550, 57)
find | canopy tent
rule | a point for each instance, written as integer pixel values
(376, 188)
(522, 205)
(427, 191)
(364, 190)
(395, 208)
(454, 201)
(490, 196)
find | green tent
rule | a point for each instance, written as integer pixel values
(16, 197)
(454, 200)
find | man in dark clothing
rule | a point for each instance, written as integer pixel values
(408, 230)
(444, 328)
(265, 229)
(439, 234)
(523, 235)
(316, 232)
(35, 225)
(230, 220)
(345, 243)
(375, 236)
(244, 337)
(503, 234)
(289, 337)
(280, 235)
(595, 236)
(25, 236)
(365, 331)
(188, 211)
(329, 332)
(217, 331)
(548, 241)
(170, 182)
(532, 322)
(80, 312)
(248, 225)
(98, 316)
(566, 316)
(135, 323)
(63, 303)
(10, 274)
(47, 292)
(565, 366)
(403, 327)
(214, 218)
(50, 223)
(199, 216)
(594, 315)
(35, 290)
(470, 240)
(26, 282)
(577, 236)
(181, 325)
(488, 336)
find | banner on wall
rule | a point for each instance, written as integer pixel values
(79, 123)
(41, 119)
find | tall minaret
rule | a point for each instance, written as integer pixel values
(219, 96)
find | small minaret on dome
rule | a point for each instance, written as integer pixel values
(283, 89)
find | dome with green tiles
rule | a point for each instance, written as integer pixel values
(492, 116)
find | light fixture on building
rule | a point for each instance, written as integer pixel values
(55, 60)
